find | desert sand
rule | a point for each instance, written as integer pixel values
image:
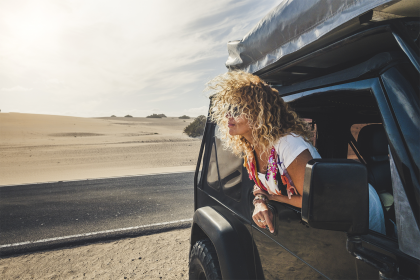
(159, 256)
(44, 148)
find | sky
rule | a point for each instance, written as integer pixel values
(95, 58)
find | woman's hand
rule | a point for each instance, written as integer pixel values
(262, 216)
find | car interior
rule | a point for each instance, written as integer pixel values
(347, 125)
(373, 147)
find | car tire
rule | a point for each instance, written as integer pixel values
(203, 262)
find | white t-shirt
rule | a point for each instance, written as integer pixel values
(287, 148)
(290, 146)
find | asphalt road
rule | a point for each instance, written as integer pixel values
(51, 210)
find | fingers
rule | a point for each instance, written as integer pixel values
(263, 217)
(264, 221)
(258, 218)
(261, 224)
(268, 217)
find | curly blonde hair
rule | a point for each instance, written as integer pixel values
(241, 93)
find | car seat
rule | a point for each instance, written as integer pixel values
(372, 144)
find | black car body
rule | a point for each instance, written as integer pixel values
(361, 74)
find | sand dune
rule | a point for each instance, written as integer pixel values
(42, 148)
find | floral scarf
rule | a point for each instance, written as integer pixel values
(274, 166)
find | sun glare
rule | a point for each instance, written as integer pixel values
(33, 26)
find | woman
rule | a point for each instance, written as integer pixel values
(257, 124)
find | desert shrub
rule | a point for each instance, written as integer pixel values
(156, 116)
(196, 128)
(113, 116)
(128, 116)
(184, 117)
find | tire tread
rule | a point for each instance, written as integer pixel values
(206, 254)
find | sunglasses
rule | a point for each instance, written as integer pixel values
(234, 112)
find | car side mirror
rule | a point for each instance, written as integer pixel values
(336, 195)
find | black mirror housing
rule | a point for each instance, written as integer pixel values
(336, 195)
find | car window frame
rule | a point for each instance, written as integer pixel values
(375, 86)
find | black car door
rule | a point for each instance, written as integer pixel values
(297, 251)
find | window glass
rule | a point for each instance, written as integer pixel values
(201, 168)
(406, 230)
(230, 169)
(405, 103)
(212, 170)
(411, 74)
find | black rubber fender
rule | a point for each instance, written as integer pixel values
(229, 248)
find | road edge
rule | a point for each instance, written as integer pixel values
(90, 238)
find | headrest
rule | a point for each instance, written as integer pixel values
(373, 143)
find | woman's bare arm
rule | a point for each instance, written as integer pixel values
(297, 168)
